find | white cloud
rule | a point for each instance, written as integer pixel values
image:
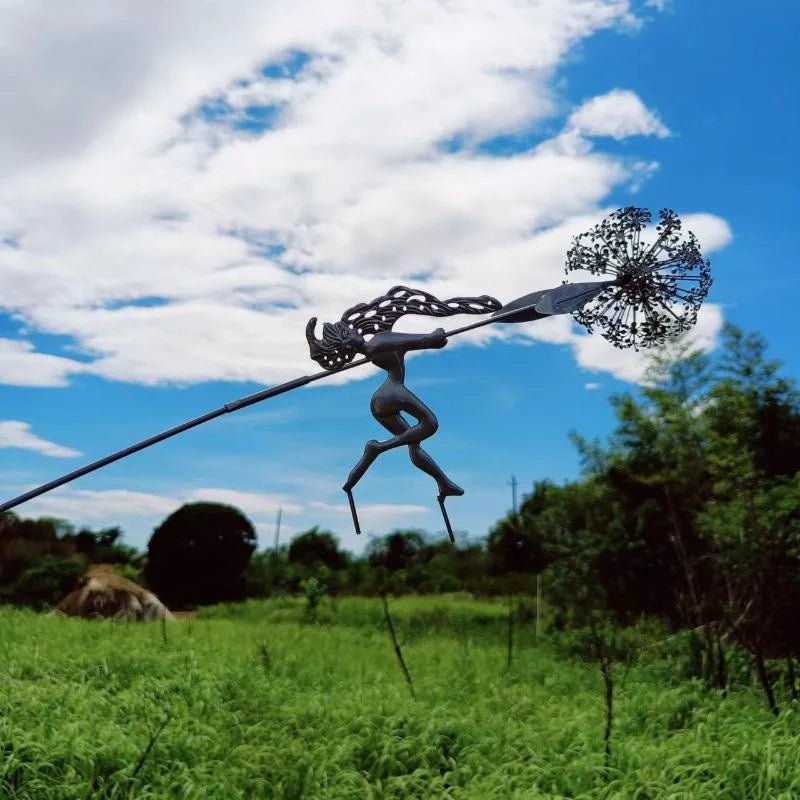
(712, 232)
(88, 506)
(374, 509)
(16, 434)
(251, 503)
(172, 247)
(590, 387)
(619, 114)
(21, 365)
(595, 354)
(91, 504)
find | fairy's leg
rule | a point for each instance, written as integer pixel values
(388, 407)
(419, 458)
(371, 452)
(411, 404)
(397, 425)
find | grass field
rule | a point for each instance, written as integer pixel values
(251, 702)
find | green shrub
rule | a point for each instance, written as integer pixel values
(46, 583)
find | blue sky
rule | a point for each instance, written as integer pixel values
(169, 222)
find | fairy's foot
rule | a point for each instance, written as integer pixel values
(450, 489)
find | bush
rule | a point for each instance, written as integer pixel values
(47, 583)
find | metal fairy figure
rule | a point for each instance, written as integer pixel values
(366, 329)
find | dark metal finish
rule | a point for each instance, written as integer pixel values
(340, 340)
(353, 510)
(564, 299)
(656, 289)
(447, 525)
(387, 349)
(654, 292)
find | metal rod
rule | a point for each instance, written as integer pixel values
(243, 402)
(353, 510)
(449, 527)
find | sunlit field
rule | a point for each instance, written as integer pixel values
(255, 701)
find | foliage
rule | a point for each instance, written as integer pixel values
(40, 559)
(103, 546)
(45, 584)
(312, 547)
(198, 554)
(516, 543)
(400, 550)
(314, 591)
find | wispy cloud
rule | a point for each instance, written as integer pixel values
(16, 434)
(21, 365)
(250, 502)
(370, 511)
(86, 505)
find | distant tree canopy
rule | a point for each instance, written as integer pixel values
(315, 547)
(198, 554)
(516, 543)
(47, 582)
(399, 550)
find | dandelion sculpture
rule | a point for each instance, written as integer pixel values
(657, 288)
(652, 293)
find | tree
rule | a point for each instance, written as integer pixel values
(757, 533)
(25, 542)
(102, 547)
(770, 427)
(198, 554)
(516, 550)
(656, 469)
(588, 541)
(314, 547)
(516, 544)
(700, 475)
(399, 550)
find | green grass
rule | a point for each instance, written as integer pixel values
(331, 716)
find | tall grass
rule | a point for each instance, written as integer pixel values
(327, 714)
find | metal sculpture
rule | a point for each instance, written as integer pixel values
(387, 349)
(653, 293)
(657, 288)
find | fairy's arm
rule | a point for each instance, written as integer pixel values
(391, 342)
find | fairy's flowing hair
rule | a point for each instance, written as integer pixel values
(340, 339)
